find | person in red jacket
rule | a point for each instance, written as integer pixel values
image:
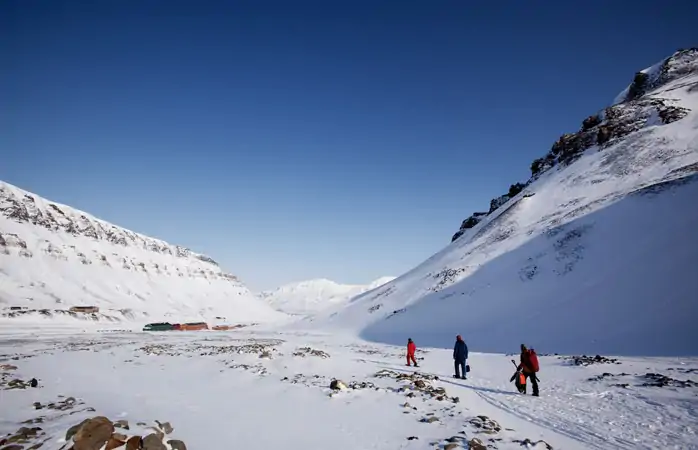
(529, 366)
(411, 348)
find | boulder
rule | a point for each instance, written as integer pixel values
(177, 444)
(134, 443)
(337, 385)
(93, 434)
(477, 444)
(122, 424)
(153, 442)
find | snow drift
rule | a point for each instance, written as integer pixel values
(311, 296)
(596, 253)
(54, 258)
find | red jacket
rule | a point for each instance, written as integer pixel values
(526, 365)
(411, 348)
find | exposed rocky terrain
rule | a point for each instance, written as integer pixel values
(67, 423)
(54, 257)
(629, 114)
(237, 383)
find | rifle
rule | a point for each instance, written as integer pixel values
(517, 371)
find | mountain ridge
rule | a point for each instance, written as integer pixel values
(53, 255)
(606, 213)
(608, 125)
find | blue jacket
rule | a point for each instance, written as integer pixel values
(460, 351)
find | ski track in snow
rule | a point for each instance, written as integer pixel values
(232, 398)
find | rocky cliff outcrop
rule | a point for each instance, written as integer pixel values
(24, 207)
(639, 105)
(54, 256)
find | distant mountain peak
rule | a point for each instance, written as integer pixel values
(310, 296)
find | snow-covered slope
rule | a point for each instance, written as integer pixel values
(309, 297)
(54, 257)
(597, 252)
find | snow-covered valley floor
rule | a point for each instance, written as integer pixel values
(250, 389)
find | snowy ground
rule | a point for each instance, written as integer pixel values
(248, 389)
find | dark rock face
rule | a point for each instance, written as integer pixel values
(26, 208)
(469, 223)
(590, 122)
(638, 87)
(608, 127)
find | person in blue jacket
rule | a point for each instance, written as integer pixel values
(460, 355)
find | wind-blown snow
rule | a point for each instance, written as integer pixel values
(53, 257)
(309, 297)
(597, 256)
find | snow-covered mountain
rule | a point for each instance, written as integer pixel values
(596, 252)
(311, 296)
(54, 257)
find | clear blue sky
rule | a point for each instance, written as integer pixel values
(292, 140)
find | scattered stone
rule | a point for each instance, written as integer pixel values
(7, 367)
(529, 443)
(477, 444)
(659, 380)
(134, 443)
(337, 385)
(177, 444)
(166, 427)
(157, 432)
(93, 434)
(113, 443)
(607, 375)
(412, 438)
(23, 436)
(119, 436)
(455, 439)
(13, 447)
(123, 424)
(431, 419)
(485, 424)
(362, 385)
(585, 360)
(33, 383)
(33, 421)
(261, 370)
(66, 404)
(265, 354)
(683, 370)
(451, 446)
(17, 384)
(74, 429)
(307, 351)
(153, 442)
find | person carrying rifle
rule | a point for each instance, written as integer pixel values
(528, 366)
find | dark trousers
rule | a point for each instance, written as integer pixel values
(460, 368)
(534, 382)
